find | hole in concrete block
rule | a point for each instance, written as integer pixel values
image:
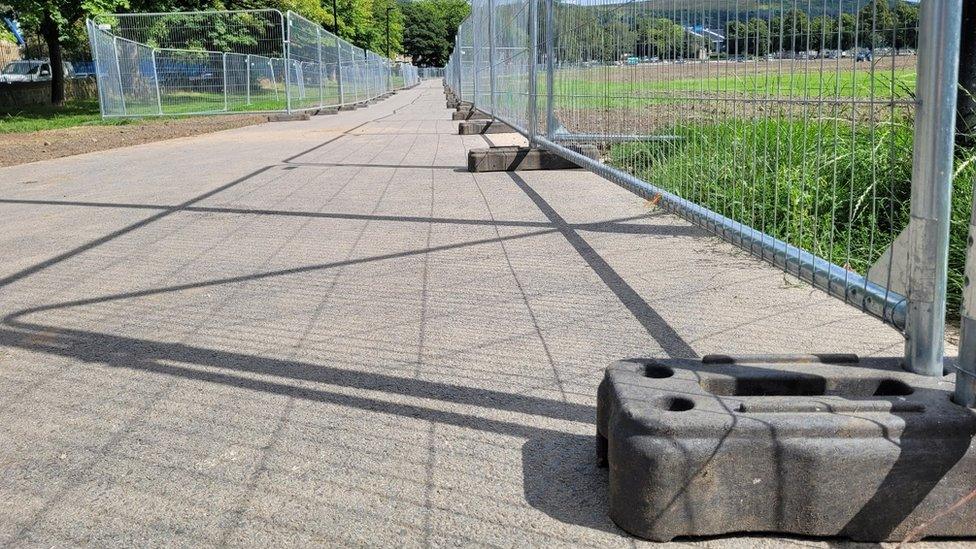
(797, 384)
(657, 371)
(678, 404)
(793, 385)
(892, 387)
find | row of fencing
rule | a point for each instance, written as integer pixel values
(816, 135)
(214, 62)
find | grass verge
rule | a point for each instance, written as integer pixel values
(45, 117)
(840, 192)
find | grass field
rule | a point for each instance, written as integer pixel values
(841, 193)
(618, 87)
(45, 117)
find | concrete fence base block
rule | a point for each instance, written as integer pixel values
(818, 446)
(348, 108)
(327, 111)
(289, 117)
(470, 115)
(510, 159)
(477, 127)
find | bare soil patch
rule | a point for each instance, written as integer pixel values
(21, 148)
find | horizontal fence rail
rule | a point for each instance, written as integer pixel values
(221, 62)
(815, 134)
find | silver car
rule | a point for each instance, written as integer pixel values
(31, 70)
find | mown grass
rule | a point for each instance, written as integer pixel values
(45, 117)
(592, 89)
(840, 192)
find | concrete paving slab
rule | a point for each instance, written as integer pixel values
(328, 332)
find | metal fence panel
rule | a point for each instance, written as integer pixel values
(229, 62)
(788, 128)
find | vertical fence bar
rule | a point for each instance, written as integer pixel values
(492, 56)
(457, 69)
(118, 67)
(550, 70)
(932, 165)
(475, 49)
(533, 113)
(224, 62)
(159, 98)
(318, 50)
(338, 42)
(286, 46)
(247, 79)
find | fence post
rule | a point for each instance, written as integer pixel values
(247, 81)
(932, 166)
(224, 61)
(118, 69)
(342, 101)
(533, 113)
(286, 44)
(491, 59)
(366, 75)
(550, 70)
(475, 55)
(318, 49)
(456, 67)
(159, 98)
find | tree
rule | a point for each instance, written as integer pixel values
(758, 32)
(790, 31)
(847, 30)
(737, 37)
(906, 25)
(424, 39)
(429, 29)
(823, 33)
(876, 24)
(51, 19)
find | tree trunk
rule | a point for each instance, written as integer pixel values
(52, 36)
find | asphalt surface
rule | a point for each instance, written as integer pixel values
(328, 333)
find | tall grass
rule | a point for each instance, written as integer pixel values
(838, 190)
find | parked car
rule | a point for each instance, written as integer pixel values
(31, 70)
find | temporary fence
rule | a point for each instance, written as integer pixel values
(430, 73)
(815, 134)
(215, 62)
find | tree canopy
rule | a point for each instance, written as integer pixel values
(430, 29)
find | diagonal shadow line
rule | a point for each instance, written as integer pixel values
(37, 267)
(670, 341)
(353, 165)
(617, 225)
(268, 274)
(34, 269)
(347, 133)
(158, 357)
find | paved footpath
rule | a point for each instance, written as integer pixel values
(327, 332)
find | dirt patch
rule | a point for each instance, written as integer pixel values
(21, 148)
